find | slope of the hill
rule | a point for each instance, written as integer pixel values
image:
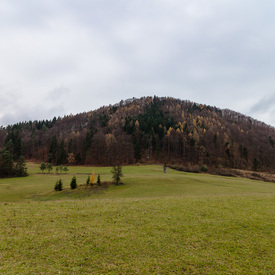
(165, 130)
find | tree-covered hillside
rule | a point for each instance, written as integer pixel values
(164, 130)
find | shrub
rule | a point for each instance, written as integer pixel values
(73, 183)
(192, 168)
(204, 168)
(58, 185)
(88, 180)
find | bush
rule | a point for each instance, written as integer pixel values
(73, 183)
(58, 185)
(192, 168)
(204, 168)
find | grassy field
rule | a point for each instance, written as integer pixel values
(174, 223)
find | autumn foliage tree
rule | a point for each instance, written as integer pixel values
(148, 129)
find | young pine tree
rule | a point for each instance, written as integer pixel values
(88, 180)
(58, 185)
(117, 174)
(20, 167)
(98, 180)
(73, 183)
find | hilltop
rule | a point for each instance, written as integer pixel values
(147, 130)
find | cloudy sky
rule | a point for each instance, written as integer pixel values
(69, 56)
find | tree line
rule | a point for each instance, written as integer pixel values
(149, 129)
(10, 167)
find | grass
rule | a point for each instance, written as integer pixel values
(41, 185)
(174, 223)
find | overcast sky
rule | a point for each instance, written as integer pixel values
(70, 56)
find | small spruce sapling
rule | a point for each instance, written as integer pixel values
(98, 180)
(88, 180)
(73, 183)
(58, 185)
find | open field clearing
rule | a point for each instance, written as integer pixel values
(158, 223)
(139, 182)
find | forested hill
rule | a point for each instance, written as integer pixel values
(163, 130)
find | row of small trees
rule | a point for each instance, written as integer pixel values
(59, 184)
(117, 175)
(48, 166)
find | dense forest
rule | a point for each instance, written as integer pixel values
(149, 129)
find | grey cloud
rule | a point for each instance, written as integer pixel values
(8, 97)
(58, 93)
(25, 14)
(101, 51)
(265, 104)
(27, 112)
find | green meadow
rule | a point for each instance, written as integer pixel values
(173, 223)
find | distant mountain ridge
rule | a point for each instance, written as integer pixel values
(148, 129)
